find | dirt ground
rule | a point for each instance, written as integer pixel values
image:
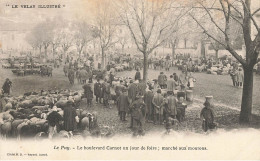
(227, 99)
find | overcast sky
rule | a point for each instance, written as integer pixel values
(25, 19)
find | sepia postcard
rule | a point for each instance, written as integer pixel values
(129, 79)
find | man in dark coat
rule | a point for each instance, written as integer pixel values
(132, 91)
(175, 77)
(53, 120)
(123, 104)
(137, 75)
(171, 110)
(98, 91)
(88, 93)
(71, 75)
(158, 102)
(141, 87)
(162, 80)
(69, 117)
(207, 115)
(171, 85)
(138, 108)
(118, 89)
(106, 93)
(7, 86)
(148, 98)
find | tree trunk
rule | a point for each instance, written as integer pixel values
(103, 58)
(145, 70)
(79, 53)
(203, 52)
(123, 47)
(246, 105)
(45, 51)
(53, 52)
(216, 54)
(173, 52)
(40, 52)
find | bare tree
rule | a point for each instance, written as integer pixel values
(150, 23)
(34, 41)
(106, 24)
(41, 35)
(229, 11)
(82, 36)
(123, 41)
(66, 40)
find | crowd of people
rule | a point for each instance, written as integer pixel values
(161, 101)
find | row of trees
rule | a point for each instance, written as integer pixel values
(150, 24)
(58, 33)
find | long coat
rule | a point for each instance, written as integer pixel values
(141, 88)
(172, 105)
(171, 85)
(106, 91)
(138, 110)
(148, 98)
(158, 101)
(88, 93)
(71, 75)
(137, 75)
(123, 103)
(132, 91)
(119, 89)
(83, 74)
(98, 89)
(69, 118)
(7, 86)
(162, 79)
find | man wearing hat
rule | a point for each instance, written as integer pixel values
(71, 75)
(175, 77)
(171, 85)
(138, 108)
(171, 108)
(207, 115)
(88, 93)
(123, 104)
(132, 91)
(181, 108)
(158, 107)
(7, 87)
(148, 98)
(162, 78)
(119, 88)
(98, 91)
(137, 74)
